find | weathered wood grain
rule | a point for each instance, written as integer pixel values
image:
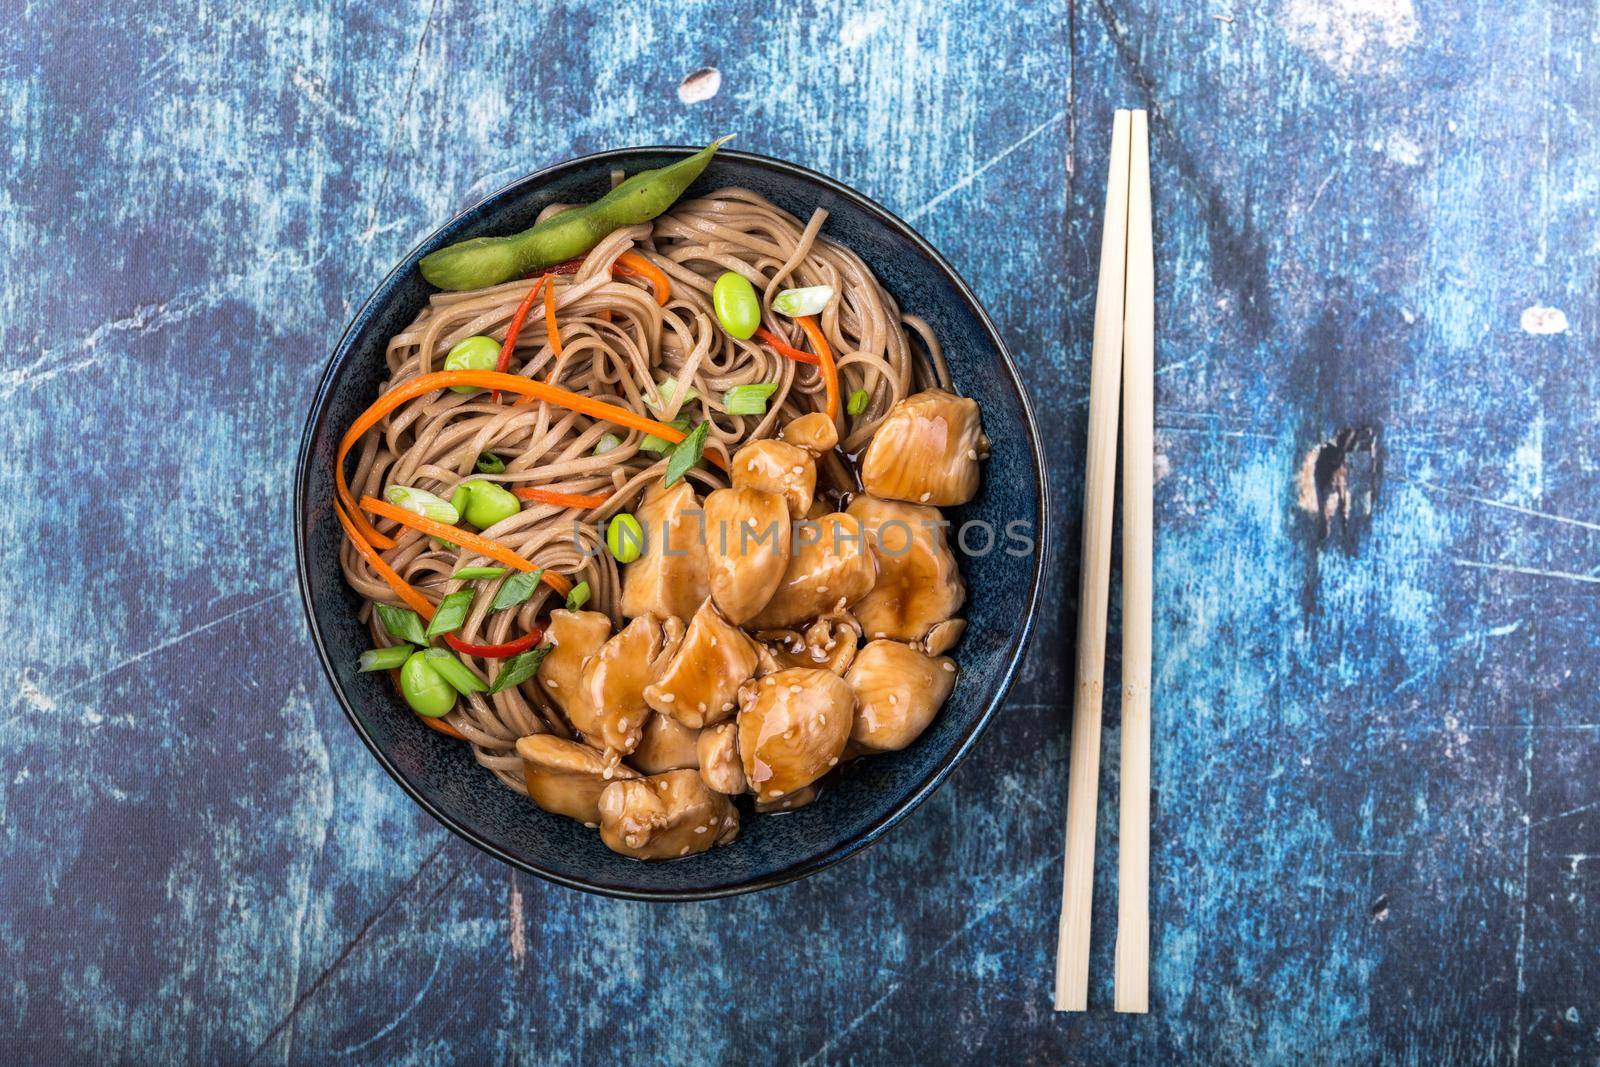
(1377, 828)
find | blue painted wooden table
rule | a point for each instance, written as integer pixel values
(1377, 733)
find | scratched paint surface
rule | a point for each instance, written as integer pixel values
(1377, 733)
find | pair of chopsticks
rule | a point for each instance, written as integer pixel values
(1123, 358)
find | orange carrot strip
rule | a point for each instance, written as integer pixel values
(514, 327)
(466, 539)
(830, 373)
(767, 337)
(550, 316)
(632, 264)
(562, 500)
(443, 727)
(402, 589)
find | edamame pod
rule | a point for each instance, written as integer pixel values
(485, 261)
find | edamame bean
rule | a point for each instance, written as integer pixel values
(473, 353)
(625, 538)
(736, 304)
(488, 504)
(424, 688)
(485, 261)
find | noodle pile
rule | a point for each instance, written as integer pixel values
(619, 345)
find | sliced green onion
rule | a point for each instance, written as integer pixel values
(607, 442)
(424, 503)
(808, 301)
(578, 597)
(669, 391)
(858, 402)
(384, 659)
(687, 453)
(451, 614)
(402, 623)
(489, 463)
(515, 589)
(467, 574)
(452, 670)
(519, 668)
(660, 445)
(748, 399)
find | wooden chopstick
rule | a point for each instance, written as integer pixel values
(1072, 946)
(1138, 428)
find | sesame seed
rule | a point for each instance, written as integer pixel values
(880, 633)
(713, 642)
(700, 706)
(972, 453)
(951, 667)
(833, 761)
(768, 680)
(774, 792)
(592, 825)
(699, 829)
(622, 724)
(606, 774)
(797, 470)
(667, 698)
(552, 683)
(661, 786)
(788, 735)
(822, 720)
(728, 706)
(684, 851)
(794, 689)
(924, 497)
(893, 700)
(822, 589)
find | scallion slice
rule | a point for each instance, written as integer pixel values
(669, 392)
(489, 463)
(519, 668)
(451, 614)
(808, 301)
(858, 402)
(516, 589)
(402, 623)
(660, 445)
(687, 453)
(748, 399)
(423, 503)
(467, 574)
(384, 659)
(578, 597)
(452, 670)
(607, 443)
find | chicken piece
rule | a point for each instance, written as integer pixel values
(667, 745)
(832, 567)
(829, 644)
(943, 637)
(669, 578)
(789, 802)
(699, 684)
(898, 692)
(792, 728)
(926, 450)
(574, 636)
(777, 467)
(613, 684)
(565, 777)
(747, 548)
(815, 433)
(918, 584)
(665, 816)
(718, 750)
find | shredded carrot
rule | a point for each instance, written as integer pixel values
(402, 589)
(443, 727)
(830, 373)
(515, 326)
(562, 500)
(767, 337)
(466, 539)
(632, 264)
(550, 316)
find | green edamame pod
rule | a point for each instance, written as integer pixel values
(485, 261)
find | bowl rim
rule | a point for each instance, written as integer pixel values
(877, 829)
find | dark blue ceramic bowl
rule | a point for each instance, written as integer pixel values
(874, 794)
